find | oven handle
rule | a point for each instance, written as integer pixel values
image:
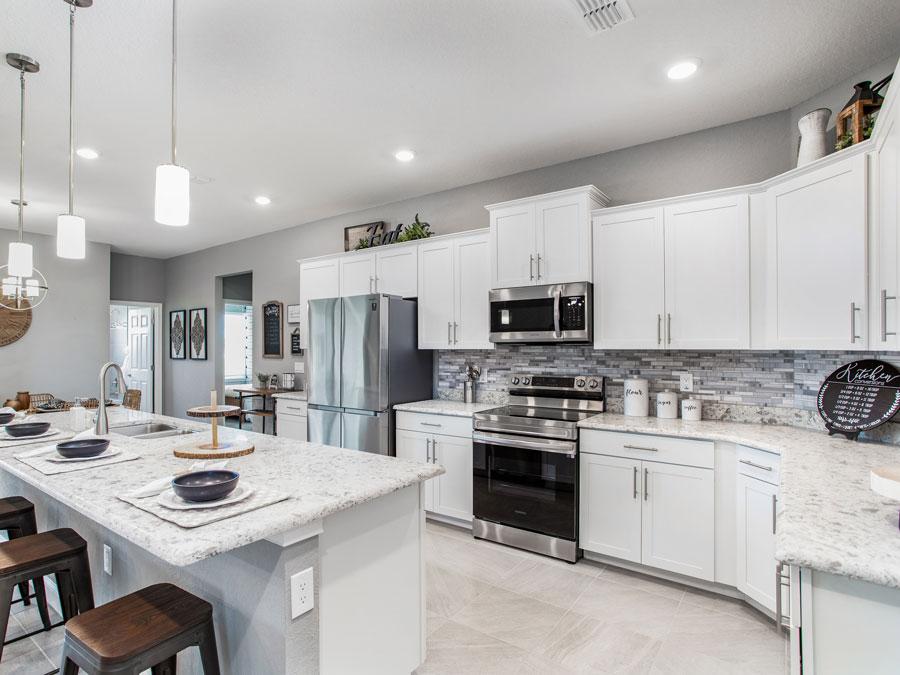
(540, 445)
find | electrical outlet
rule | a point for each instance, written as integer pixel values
(107, 559)
(302, 591)
(686, 382)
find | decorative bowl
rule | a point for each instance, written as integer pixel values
(85, 447)
(205, 486)
(26, 429)
(6, 418)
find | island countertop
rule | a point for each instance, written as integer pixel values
(830, 519)
(321, 480)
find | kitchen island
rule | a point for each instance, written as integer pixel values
(354, 518)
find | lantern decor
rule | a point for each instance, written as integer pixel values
(855, 121)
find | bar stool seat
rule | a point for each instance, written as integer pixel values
(17, 518)
(145, 629)
(10, 507)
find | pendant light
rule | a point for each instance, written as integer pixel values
(22, 285)
(173, 182)
(70, 235)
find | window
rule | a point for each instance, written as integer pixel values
(238, 343)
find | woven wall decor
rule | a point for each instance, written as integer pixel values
(13, 324)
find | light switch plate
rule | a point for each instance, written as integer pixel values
(299, 366)
(686, 382)
(302, 592)
(107, 559)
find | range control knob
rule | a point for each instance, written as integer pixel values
(526, 381)
(579, 382)
(593, 384)
(515, 380)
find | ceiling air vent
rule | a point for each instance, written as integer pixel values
(601, 15)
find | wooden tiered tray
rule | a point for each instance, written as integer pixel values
(215, 450)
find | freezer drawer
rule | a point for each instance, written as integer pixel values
(324, 426)
(367, 431)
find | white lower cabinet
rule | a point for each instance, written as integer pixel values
(449, 494)
(610, 518)
(291, 419)
(756, 514)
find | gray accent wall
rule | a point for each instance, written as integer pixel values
(136, 279)
(68, 341)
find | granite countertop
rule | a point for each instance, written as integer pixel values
(443, 407)
(291, 395)
(320, 480)
(830, 519)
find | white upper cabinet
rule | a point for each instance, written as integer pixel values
(629, 279)
(544, 239)
(357, 274)
(318, 279)
(397, 270)
(454, 281)
(707, 245)
(816, 258)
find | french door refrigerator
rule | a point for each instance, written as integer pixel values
(363, 358)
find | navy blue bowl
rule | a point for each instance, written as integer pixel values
(205, 486)
(86, 447)
(26, 429)
(6, 418)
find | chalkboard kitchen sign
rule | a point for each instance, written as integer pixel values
(859, 396)
(272, 329)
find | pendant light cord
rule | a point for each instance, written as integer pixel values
(71, 108)
(174, 79)
(22, 155)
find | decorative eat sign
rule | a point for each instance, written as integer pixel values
(859, 396)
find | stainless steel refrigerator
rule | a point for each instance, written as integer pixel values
(363, 358)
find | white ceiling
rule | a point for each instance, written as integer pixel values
(306, 100)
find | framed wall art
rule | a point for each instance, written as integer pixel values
(177, 334)
(197, 342)
(354, 233)
(273, 329)
(294, 315)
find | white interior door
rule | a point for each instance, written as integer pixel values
(357, 275)
(513, 246)
(629, 280)
(708, 274)
(436, 295)
(563, 240)
(473, 284)
(610, 512)
(138, 368)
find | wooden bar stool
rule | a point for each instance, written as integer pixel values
(60, 552)
(17, 518)
(145, 629)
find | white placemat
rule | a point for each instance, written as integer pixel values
(41, 463)
(7, 441)
(260, 498)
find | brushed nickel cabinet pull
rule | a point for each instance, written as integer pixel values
(539, 266)
(455, 327)
(449, 329)
(659, 329)
(531, 267)
(853, 310)
(774, 511)
(755, 465)
(884, 331)
(638, 447)
(646, 480)
(669, 328)
(635, 482)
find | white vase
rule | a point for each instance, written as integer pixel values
(813, 140)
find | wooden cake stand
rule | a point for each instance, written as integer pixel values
(215, 450)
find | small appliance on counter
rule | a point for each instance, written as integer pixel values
(667, 405)
(636, 397)
(472, 374)
(542, 314)
(525, 482)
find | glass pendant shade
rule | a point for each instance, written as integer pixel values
(173, 195)
(9, 285)
(20, 259)
(70, 241)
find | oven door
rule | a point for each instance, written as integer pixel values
(556, 313)
(526, 482)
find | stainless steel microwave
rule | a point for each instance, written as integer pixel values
(542, 314)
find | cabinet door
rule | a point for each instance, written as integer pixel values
(610, 511)
(396, 271)
(678, 519)
(436, 295)
(563, 230)
(884, 298)
(629, 280)
(292, 426)
(472, 284)
(453, 493)
(318, 279)
(708, 274)
(357, 274)
(513, 246)
(816, 261)
(415, 446)
(756, 564)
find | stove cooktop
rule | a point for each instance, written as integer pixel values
(536, 413)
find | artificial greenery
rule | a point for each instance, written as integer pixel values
(263, 380)
(378, 237)
(415, 230)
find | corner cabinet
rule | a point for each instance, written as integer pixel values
(544, 239)
(673, 277)
(816, 258)
(454, 282)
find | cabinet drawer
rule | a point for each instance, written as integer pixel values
(684, 451)
(291, 407)
(759, 464)
(435, 424)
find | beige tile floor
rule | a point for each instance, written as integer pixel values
(494, 610)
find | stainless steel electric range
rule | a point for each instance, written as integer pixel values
(525, 483)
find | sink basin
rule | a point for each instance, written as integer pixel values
(150, 430)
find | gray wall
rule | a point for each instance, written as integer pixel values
(834, 99)
(238, 287)
(734, 154)
(136, 279)
(68, 340)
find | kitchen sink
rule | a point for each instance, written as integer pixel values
(150, 430)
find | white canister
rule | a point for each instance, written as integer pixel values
(691, 410)
(637, 397)
(667, 405)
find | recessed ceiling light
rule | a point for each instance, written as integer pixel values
(87, 153)
(683, 69)
(262, 200)
(405, 155)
